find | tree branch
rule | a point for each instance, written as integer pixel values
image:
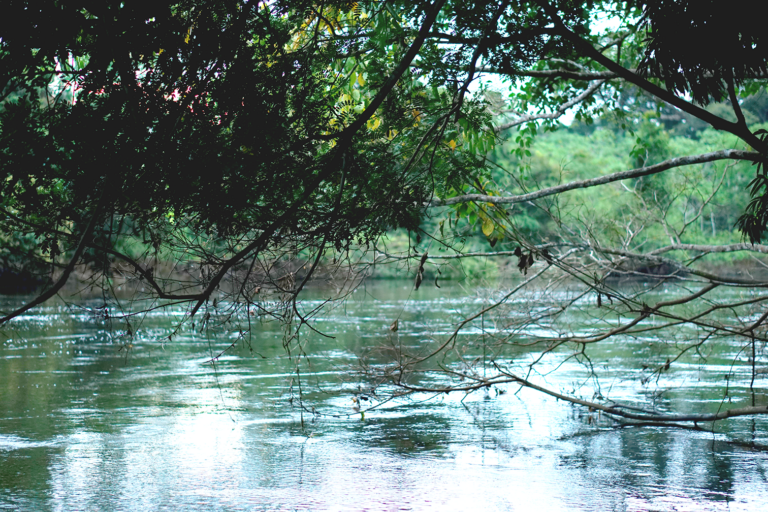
(404, 64)
(713, 248)
(552, 73)
(345, 141)
(586, 49)
(623, 412)
(84, 239)
(680, 268)
(557, 113)
(726, 154)
(617, 410)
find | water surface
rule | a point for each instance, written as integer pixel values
(90, 423)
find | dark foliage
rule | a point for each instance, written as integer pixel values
(702, 47)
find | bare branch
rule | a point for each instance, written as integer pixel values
(725, 154)
(561, 110)
(621, 411)
(617, 410)
(712, 248)
(552, 73)
(683, 269)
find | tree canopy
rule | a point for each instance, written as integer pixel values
(236, 136)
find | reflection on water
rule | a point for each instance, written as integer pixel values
(86, 425)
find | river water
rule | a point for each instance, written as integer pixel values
(89, 423)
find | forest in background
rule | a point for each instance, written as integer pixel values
(698, 204)
(571, 152)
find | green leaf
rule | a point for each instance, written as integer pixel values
(487, 226)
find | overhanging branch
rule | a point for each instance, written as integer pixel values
(559, 112)
(586, 49)
(725, 154)
(82, 244)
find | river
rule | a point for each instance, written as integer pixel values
(90, 423)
